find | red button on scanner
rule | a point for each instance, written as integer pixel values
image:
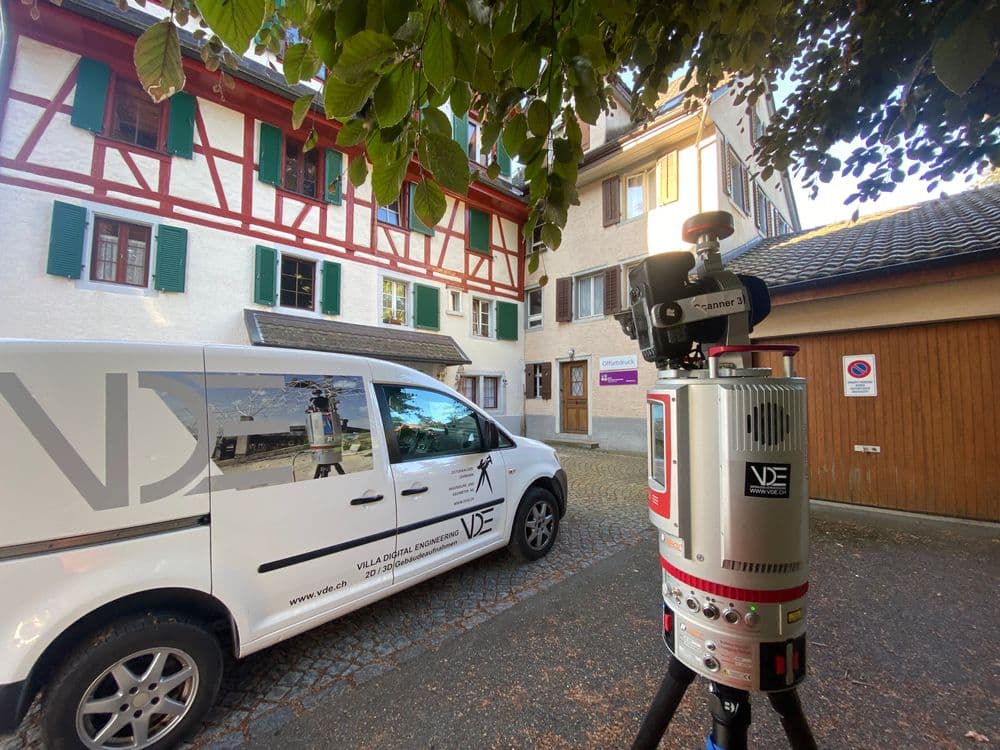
(779, 664)
(668, 621)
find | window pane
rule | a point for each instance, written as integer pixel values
(429, 424)
(634, 196)
(481, 317)
(293, 167)
(309, 172)
(389, 213)
(598, 304)
(467, 387)
(135, 117)
(456, 301)
(583, 297)
(471, 146)
(535, 302)
(105, 264)
(297, 283)
(491, 387)
(393, 302)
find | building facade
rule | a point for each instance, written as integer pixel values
(584, 379)
(207, 219)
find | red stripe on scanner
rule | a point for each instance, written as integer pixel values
(775, 596)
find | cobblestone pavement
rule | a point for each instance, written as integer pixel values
(606, 513)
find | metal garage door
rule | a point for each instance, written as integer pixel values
(935, 418)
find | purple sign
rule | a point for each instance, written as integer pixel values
(620, 377)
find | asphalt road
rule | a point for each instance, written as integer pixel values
(904, 653)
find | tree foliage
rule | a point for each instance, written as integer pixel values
(913, 79)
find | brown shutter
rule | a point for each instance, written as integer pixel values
(612, 290)
(564, 299)
(529, 381)
(584, 134)
(547, 380)
(724, 164)
(612, 191)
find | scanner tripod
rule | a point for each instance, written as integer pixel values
(730, 709)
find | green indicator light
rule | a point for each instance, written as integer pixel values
(753, 607)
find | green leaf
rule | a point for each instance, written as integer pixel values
(394, 95)
(300, 109)
(157, 58)
(235, 23)
(493, 170)
(350, 18)
(364, 53)
(438, 55)
(357, 172)
(964, 56)
(533, 262)
(514, 134)
(436, 121)
(387, 179)
(504, 51)
(543, 280)
(527, 63)
(551, 236)
(461, 97)
(324, 39)
(292, 62)
(539, 119)
(412, 29)
(588, 104)
(351, 133)
(310, 143)
(429, 202)
(447, 161)
(343, 100)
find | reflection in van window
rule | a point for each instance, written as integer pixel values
(294, 427)
(428, 424)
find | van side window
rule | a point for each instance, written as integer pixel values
(287, 428)
(427, 424)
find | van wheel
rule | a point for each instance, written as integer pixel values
(143, 682)
(536, 525)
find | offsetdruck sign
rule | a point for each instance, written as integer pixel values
(620, 370)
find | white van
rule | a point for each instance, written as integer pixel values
(162, 504)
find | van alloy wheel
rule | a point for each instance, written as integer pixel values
(137, 701)
(539, 524)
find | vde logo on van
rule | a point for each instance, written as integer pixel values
(767, 480)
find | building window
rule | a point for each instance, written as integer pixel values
(454, 301)
(298, 283)
(536, 377)
(737, 181)
(491, 389)
(392, 213)
(467, 387)
(120, 253)
(472, 141)
(756, 125)
(761, 212)
(533, 311)
(482, 317)
(301, 169)
(635, 199)
(135, 118)
(394, 302)
(590, 296)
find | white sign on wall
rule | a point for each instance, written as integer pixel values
(859, 375)
(621, 362)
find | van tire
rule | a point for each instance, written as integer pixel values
(130, 646)
(536, 525)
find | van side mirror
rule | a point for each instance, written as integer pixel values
(491, 435)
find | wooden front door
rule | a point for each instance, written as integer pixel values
(573, 392)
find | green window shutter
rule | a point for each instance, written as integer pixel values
(180, 129)
(507, 321)
(265, 276)
(66, 240)
(503, 159)
(269, 155)
(91, 93)
(330, 301)
(171, 258)
(460, 131)
(426, 307)
(415, 224)
(479, 231)
(333, 192)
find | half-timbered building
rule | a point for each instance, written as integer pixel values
(207, 219)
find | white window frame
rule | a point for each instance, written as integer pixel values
(490, 319)
(480, 377)
(407, 298)
(101, 210)
(537, 377)
(533, 322)
(316, 271)
(591, 275)
(641, 176)
(454, 294)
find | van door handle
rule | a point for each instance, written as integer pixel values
(366, 499)
(414, 491)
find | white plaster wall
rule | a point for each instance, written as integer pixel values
(223, 126)
(40, 69)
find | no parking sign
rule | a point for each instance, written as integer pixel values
(859, 375)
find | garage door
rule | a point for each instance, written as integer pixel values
(934, 420)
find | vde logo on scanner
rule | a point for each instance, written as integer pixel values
(767, 480)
